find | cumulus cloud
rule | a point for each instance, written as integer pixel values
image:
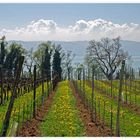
(81, 30)
(100, 28)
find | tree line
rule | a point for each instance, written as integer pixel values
(50, 59)
(105, 55)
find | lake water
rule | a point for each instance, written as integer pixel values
(79, 49)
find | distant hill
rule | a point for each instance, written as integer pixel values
(79, 48)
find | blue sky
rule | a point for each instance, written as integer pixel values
(72, 21)
(12, 15)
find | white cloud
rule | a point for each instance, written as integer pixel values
(81, 30)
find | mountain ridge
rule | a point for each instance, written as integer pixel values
(63, 41)
(79, 48)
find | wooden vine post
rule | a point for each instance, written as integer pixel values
(11, 104)
(1, 86)
(84, 86)
(80, 74)
(119, 99)
(42, 86)
(48, 87)
(34, 96)
(92, 95)
(125, 85)
(111, 107)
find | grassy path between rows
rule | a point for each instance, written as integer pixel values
(62, 118)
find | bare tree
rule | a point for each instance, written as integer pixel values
(107, 53)
(29, 62)
(67, 63)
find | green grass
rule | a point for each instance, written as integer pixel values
(129, 122)
(132, 96)
(62, 118)
(20, 102)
